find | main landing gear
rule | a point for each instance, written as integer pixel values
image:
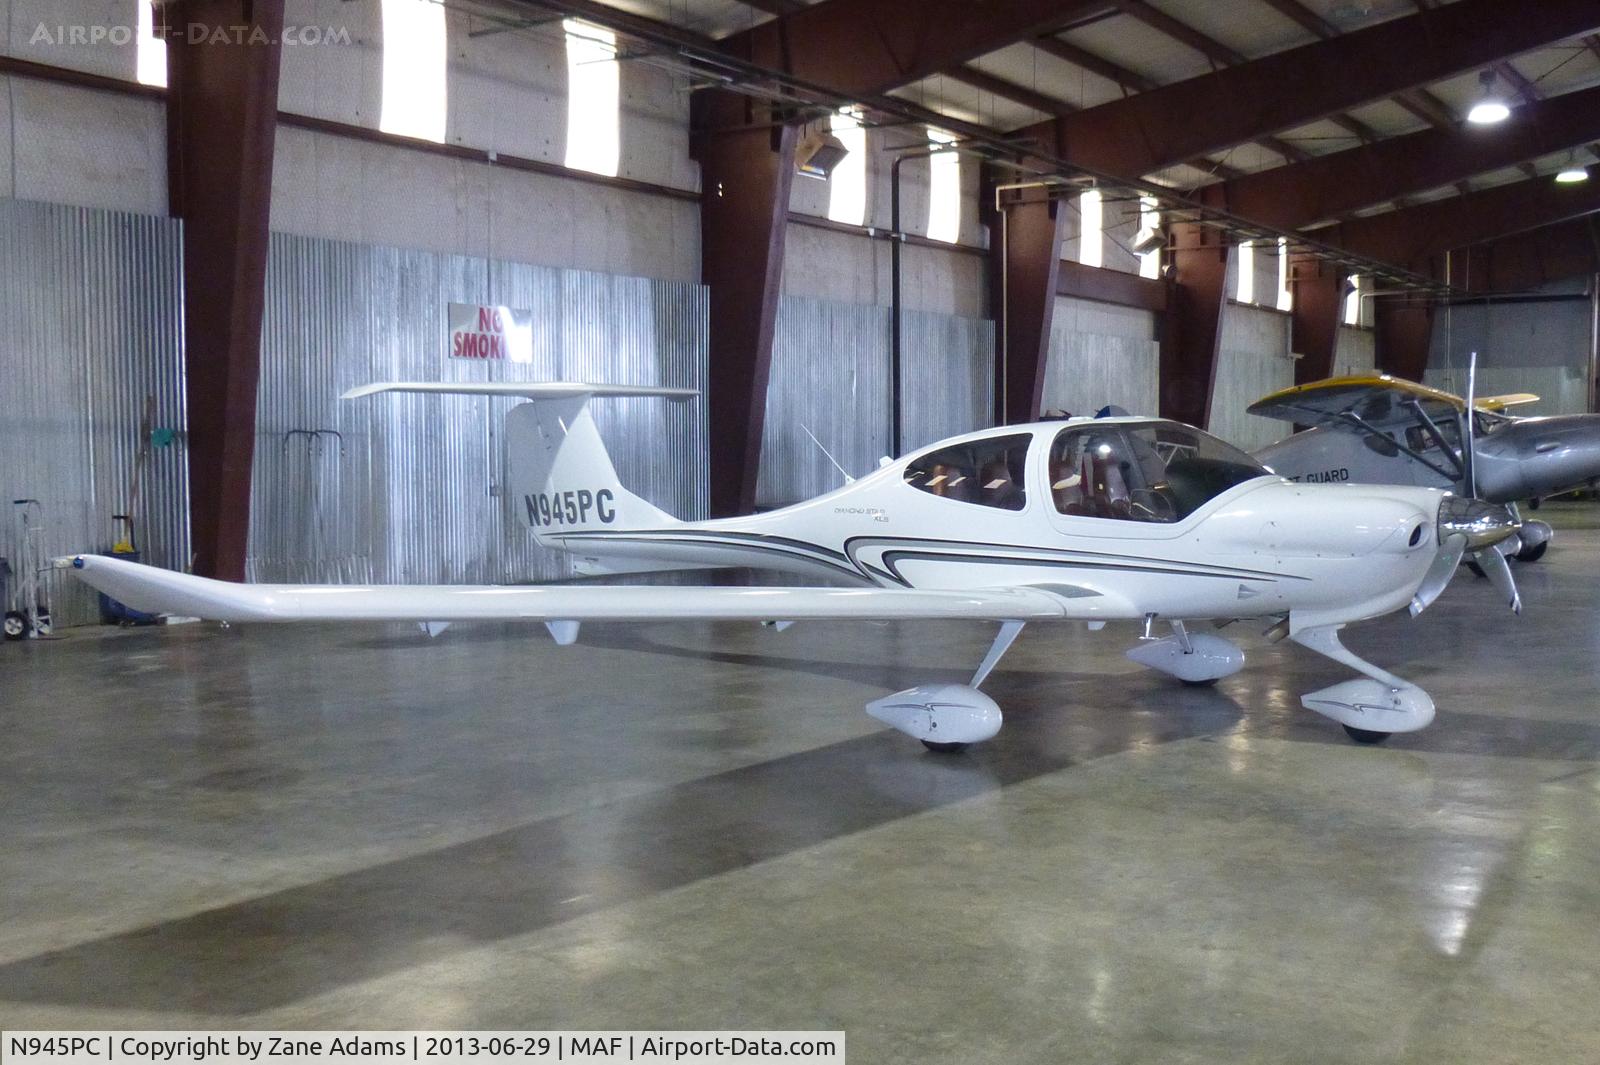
(1197, 659)
(949, 718)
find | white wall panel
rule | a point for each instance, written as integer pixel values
(1355, 353)
(330, 186)
(1253, 360)
(340, 77)
(43, 31)
(831, 265)
(86, 148)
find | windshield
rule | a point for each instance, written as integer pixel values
(1151, 471)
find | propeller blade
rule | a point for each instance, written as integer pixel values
(1443, 570)
(1469, 454)
(1494, 566)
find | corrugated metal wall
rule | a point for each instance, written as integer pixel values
(1101, 354)
(830, 374)
(947, 376)
(408, 488)
(88, 330)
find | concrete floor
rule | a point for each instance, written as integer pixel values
(697, 827)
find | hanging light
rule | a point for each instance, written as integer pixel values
(1572, 173)
(1490, 108)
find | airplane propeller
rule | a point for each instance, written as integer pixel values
(1470, 526)
(1475, 526)
(1488, 556)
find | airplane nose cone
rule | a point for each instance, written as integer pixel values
(1540, 456)
(1481, 523)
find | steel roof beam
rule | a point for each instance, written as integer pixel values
(865, 47)
(1152, 130)
(1527, 260)
(1292, 197)
(1417, 234)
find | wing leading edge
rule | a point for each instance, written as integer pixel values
(153, 590)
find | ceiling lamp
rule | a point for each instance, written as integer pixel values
(1490, 108)
(1572, 173)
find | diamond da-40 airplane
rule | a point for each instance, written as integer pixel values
(1090, 520)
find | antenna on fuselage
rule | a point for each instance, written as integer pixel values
(827, 455)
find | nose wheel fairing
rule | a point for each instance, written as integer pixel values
(1380, 702)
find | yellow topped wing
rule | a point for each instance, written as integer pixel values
(1510, 399)
(1372, 398)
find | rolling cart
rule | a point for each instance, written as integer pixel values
(29, 613)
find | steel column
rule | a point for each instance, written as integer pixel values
(222, 107)
(746, 169)
(1192, 331)
(1027, 260)
(1318, 308)
(1403, 331)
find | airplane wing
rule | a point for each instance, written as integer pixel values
(1510, 399)
(524, 390)
(1373, 400)
(158, 591)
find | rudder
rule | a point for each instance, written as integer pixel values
(561, 474)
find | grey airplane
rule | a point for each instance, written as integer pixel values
(1378, 429)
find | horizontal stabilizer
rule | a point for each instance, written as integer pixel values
(160, 591)
(523, 389)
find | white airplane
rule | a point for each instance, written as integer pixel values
(1090, 520)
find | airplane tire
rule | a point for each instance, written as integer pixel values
(1366, 736)
(945, 748)
(16, 625)
(1198, 683)
(1532, 554)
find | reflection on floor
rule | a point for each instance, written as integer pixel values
(697, 827)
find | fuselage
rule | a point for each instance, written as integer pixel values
(1143, 516)
(1516, 458)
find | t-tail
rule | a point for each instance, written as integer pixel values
(560, 474)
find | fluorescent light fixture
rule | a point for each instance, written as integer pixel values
(1490, 108)
(414, 85)
(1487, 112)
(818, 153)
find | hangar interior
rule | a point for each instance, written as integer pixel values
(855, 227)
